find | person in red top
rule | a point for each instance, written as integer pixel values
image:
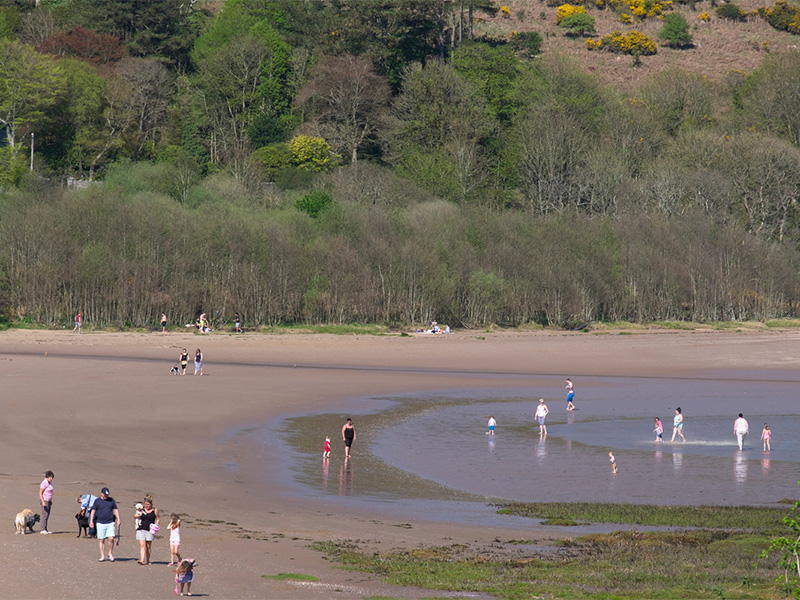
(327, 448)
(78, 322)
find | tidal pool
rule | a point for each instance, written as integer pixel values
(429, 453)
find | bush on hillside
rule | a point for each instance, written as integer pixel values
(566, 10)
(526, 43)
(314, 203)
(782, 16)
(731, 12)
(633, 42)
(676, 31)
(578, 24)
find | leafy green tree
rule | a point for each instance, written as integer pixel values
(679, 100)
(493, 71)
(314, 203)
(272, 159)
(789, 547)
(676, 31)
(438, 132)
(30, 84)
(526, 43)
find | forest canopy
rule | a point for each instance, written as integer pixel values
(380, 161)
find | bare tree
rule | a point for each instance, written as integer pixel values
(347, 101)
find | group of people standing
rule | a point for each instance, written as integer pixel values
(104, 520)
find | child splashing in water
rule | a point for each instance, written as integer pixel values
(174, 539)
(659, 429)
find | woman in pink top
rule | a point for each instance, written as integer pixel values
(46, 498)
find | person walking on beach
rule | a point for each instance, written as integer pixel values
(184, 360)
(570, 394)
(78, 322)
(677, 425)
(163, 322)
(659, 430)
(766, 436)
(46, 499)
(106, 514)
(238, 322)
(541, 415)
(348, 436)
(492, 424)
(146, 531)
(174, 539)
(198, 362)
(740, 430)
(613, 460)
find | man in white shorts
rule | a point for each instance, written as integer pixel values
(106, 515)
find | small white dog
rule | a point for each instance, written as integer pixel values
(137, 516)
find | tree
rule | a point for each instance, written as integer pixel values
(493, 71)
(676, 31)
(770, 95)
(346, 100)
(438, 130)
(84, 44)
(30, 83)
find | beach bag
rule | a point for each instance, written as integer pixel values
(154, 528)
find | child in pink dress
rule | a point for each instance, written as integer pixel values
(174, 539)
(327, 448)
(766, 436)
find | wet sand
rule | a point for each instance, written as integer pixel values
(101, 409)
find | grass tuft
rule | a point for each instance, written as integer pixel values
(291, 577)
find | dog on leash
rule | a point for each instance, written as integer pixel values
(83, 524)
(175, 370)
(25, 520)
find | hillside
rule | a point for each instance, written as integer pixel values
(720, 45)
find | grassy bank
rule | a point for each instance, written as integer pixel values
(720, 559)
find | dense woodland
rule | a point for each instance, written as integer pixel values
(390, 161)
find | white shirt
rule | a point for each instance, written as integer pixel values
(740, 426)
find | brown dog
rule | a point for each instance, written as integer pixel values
(25, 520)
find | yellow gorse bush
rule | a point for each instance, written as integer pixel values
(633, 42)
(642, 9)
(704, 16)
(565, 10)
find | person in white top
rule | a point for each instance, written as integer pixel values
(541, 414)
(740, 429)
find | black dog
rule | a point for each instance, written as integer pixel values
(83, 524)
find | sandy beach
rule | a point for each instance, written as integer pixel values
(101, 409)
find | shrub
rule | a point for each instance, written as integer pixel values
(578, 24)
(272, 158)
(782, 16)
(312, 153)
(632, 42)
(676, 31)
(526, 43)
(704, 16)
(314, 203)
(731, 12)
(565, 10)
(642, 9)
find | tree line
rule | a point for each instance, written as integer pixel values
(376, 160)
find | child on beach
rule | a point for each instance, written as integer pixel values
(184, 575)
(492, 424)
(766, 436)
(612, 459)
(174, 539)
(570, 394)
(326, 453)
(658, 430)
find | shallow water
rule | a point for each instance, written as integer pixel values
(430, 452)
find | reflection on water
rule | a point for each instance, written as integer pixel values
(765, 465)
(541, 449)
(740, 468)
(677, 461)
(346, 478)
(325, 465)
